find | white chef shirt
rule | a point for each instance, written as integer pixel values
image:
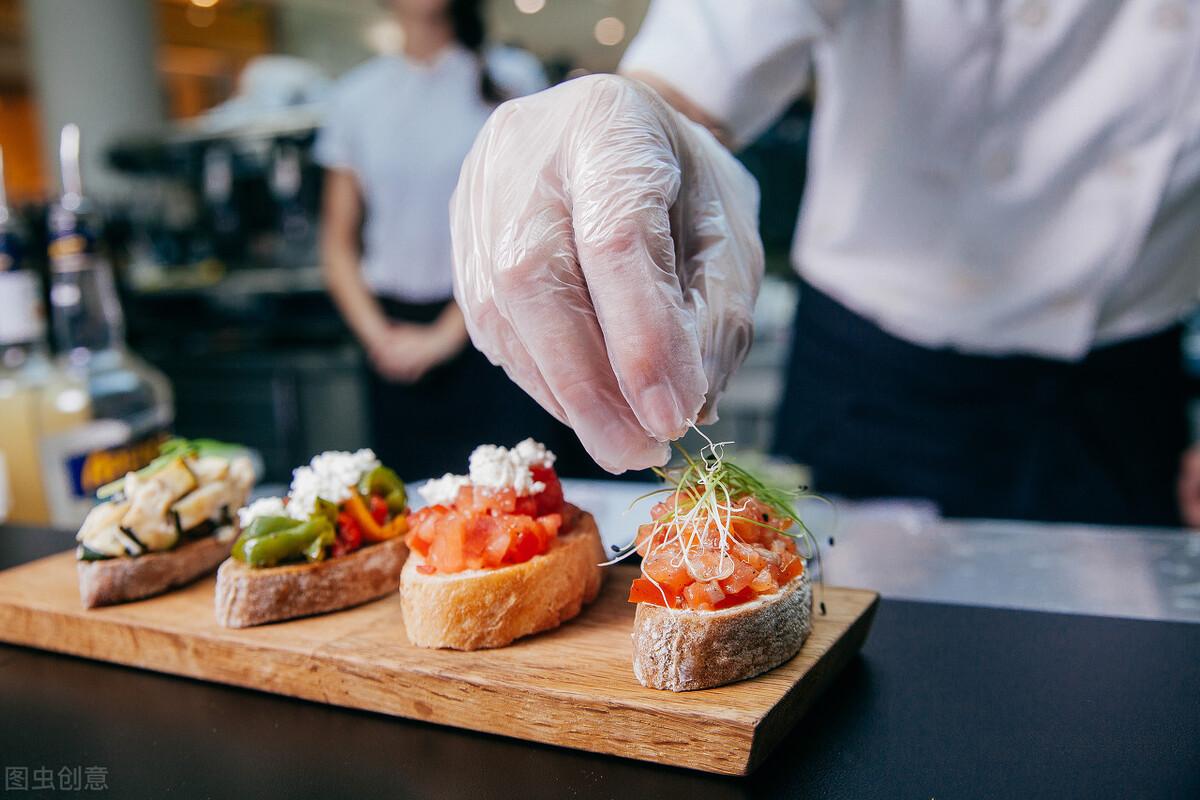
(403, 128)
(996, 177)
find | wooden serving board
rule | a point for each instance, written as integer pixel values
(572, 687)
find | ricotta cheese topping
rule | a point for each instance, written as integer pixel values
(262, 507)
(534, 454)
(443, 491)
(495, 467)
(330, 476)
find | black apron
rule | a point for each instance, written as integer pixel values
(430, 427)
(1011, 437)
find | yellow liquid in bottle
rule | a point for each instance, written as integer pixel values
(30, 410)
(19, 442)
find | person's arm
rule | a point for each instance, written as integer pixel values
(341, 215)
(616, 285)
(1188, 488)
(732, 67)
(399, 351)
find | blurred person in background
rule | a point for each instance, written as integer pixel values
(398, 128)
(997, 246)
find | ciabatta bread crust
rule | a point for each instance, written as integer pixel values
(249, 596)
(493, 607)
(119, 580)
(681, 650)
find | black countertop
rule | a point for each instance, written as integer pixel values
(944, 702)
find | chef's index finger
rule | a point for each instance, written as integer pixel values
(624, 181)
(544, 298)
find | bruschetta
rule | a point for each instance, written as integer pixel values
(335, 541)
(725, 593)
(497, 554)
(163, 526)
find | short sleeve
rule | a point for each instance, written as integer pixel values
(335, 143)
(517, 72)
(740, 61)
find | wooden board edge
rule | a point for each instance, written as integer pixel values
(655, 736)
(779, 721)
(659, 736)
(733, 746)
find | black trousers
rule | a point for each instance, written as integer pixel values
(430, 427)
(1014, 437)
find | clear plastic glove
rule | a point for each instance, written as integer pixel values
(606, 254)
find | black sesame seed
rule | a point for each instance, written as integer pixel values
(822, 608)
(766, 517)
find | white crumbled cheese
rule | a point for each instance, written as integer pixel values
(494, 467)
(443, 491)
(330, 476)
(534, 454)
(262, 507)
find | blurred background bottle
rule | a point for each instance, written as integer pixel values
(119, 408)
(31, 384)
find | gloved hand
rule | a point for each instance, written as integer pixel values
(606, 254)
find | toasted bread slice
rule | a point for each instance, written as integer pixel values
(249, 596)
(492, 607)
(682, 650)
(119, 580)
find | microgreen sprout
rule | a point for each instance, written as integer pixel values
(710, 495)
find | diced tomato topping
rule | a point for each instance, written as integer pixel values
(379, 509)
(739, 579)
(349, 535)
(488, 529)
(667, 568)
(710, 567)
(550, 499)
(737, 598)
(644, 591)
(764, 582)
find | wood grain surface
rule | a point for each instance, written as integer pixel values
(572, 687)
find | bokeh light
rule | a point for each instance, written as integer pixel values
(609, 31)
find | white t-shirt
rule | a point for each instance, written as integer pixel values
(403, 128)
(1019, 176)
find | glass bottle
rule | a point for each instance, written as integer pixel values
(29, 379)
(130, 403)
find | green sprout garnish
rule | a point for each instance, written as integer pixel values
(710, 491)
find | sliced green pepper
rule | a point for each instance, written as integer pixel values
(326, 509)
(271, 540)
(385, 483)
(264, 525)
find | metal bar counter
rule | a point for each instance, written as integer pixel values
(1006, 660)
